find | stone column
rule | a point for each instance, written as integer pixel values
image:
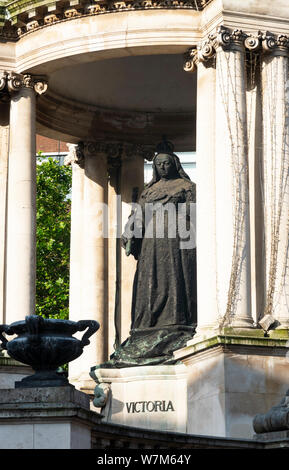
(232, 187)
(275, 97)
(94, 254)
(21, 206)
(255, 157)
(114, 247)
(132, 178)
(224, 252)
(75, 158)
(4, 137)
(206, 191)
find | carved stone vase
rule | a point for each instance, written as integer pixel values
(45, 345)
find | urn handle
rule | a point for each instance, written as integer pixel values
(5, 329)
(92, 326)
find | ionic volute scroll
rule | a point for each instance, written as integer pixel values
(223, 38)
(228, 39)
(75, 155)
(3, 80)
(253, 42)
(12, 82)
(190, 58)
(275, 44)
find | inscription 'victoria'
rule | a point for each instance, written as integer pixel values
(150, 406)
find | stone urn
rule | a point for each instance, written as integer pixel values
(45, 345)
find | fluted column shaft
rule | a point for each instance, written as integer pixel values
(206, 199)
(76, 160)
(4, 137)
(94, 254)
(20, 256)
(275, 97)
(223, 246)
(232, 189)
(88, 254)
(132, 180)
(21, 217)
(114, 251)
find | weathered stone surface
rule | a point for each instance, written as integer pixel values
(12, 371)
(46, 418)
(43, 397)
(230, 379)
(152, 397)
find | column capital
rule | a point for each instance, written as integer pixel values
(191, 60)
(75, 155)
(276, 44)
(227, 39)
(117, 150)
(145, 151)
(11, 82)
(235, 39)
(222, 39)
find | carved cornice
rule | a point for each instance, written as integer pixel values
(226, 39)
(113, 152)
(11, 82)
(26, 18)
(145, 151)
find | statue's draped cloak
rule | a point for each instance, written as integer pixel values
(164, 292)
(164, 303)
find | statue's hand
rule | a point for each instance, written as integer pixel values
(126, 244)
(124, 240)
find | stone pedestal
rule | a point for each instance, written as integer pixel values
(231, 378)
(45, 418)
(151, 397)
(217, 389)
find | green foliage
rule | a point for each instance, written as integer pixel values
(53, 238)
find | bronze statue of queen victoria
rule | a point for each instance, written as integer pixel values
(164, 302)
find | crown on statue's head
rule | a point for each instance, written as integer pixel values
(165, 146)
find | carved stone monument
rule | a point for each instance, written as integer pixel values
(160, 234)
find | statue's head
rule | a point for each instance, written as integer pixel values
(165, 166)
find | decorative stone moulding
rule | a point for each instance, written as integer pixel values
(11, 82)
(224, 38)
(75, 155)
(228, 39)
(50, 19)
(44, 13)
(277, 44)
(113, 151)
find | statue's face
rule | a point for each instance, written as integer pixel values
(165, 166)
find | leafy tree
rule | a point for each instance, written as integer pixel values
(53, 238)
